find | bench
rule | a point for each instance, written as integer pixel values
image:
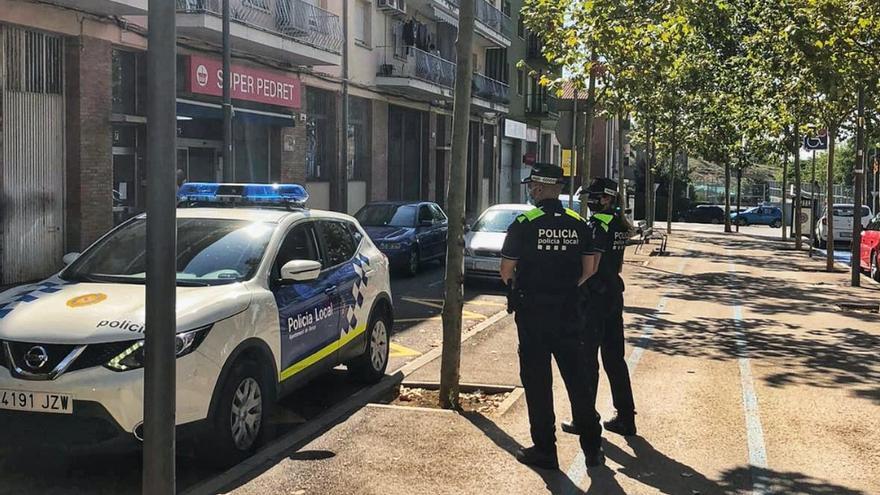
(646, 234)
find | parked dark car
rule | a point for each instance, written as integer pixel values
(409, 233)
(703, 214)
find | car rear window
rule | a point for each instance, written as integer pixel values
(847, 211)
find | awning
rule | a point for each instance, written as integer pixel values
(201, 110)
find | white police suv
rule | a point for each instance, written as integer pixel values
(269, 294)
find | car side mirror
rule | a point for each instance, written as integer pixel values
(300, 271)
(70, 258)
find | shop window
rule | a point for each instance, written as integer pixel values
(251, 148)
(358, 138)
(128, 82)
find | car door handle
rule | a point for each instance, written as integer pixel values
(330, 290)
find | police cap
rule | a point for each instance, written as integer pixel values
(600, 185)
(545, 173)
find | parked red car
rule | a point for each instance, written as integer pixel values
(870, 248)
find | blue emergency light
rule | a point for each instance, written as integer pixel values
(293, 195)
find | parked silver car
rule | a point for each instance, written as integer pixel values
(484, 240)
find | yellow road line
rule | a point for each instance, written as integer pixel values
(398, 350)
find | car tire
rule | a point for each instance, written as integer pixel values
(776, 224)
(413, 262)
(238, 422)
(682, 219)
(742, 222)
(875, 269)
(715, 221)
(370, 366)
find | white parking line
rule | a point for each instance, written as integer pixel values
(578, 469)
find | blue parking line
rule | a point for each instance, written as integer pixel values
(754, 429)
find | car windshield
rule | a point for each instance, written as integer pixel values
(387, 215)
(209, 252)
(495, 220)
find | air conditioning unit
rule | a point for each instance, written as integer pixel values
(393, 7)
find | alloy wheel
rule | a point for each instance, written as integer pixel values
(378, 345)
(247, 414)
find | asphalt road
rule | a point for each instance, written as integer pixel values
(117, 469)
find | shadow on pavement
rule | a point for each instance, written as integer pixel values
(556, 481)
(783, 483)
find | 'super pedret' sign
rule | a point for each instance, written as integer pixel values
(205, 76)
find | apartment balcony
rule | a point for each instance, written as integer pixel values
(491, 23)
(542, 106)
(106, 7)
(292, 31)
(430, 77)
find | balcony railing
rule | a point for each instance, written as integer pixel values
(421, 65)
(490, 89)
(489, 15)
(293, 19)
(541, 104)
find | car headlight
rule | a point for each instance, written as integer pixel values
(132, 358)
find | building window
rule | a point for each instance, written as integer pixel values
(520, 27)
(363, 22)
(520, 81)
(128, 82)
(505, 7)
(320, 134)
(358, 138)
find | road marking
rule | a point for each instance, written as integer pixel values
(578, 469)
(398, 350)
(438, 304)
(754, 430)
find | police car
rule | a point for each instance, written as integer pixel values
(269, 294)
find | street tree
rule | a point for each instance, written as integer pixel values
(450, 367)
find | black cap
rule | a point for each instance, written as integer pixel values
(600, 185)
(545, 173)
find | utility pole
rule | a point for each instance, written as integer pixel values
(670, 200)
(813, 190)
(342, 173)
(574, 145)
(228, 168)
(454, 298)
(784, 187)
(858, 186)
(739, 177)
(798, 188)
(161, 285)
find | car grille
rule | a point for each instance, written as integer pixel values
(93, 355)
(487, 254)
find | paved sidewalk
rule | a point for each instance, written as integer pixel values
(747, 375)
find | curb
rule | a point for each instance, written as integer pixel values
(329, 418)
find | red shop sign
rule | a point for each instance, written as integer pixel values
(205, 77)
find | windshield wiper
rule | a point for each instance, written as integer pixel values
(192, 283)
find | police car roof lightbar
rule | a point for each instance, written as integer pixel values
(290, 195)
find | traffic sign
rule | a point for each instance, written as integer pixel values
(818, 142)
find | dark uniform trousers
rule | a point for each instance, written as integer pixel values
(605, 334)
(547, 330)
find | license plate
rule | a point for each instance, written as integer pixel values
(36, 402)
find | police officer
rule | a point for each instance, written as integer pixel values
(546, 256)
(604, 320)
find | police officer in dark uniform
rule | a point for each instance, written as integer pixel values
(604, 319)
(546, 256)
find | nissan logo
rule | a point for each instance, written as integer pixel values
(36, 357)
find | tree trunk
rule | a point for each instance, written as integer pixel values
(670, 201)
(454, 297)
(784, 187)
(621, 149)
(798, 234)
(739, 180)
(727, 196)
(829, 203)
(649, 181)
(589, 120)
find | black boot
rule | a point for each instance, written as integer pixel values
(533, 456)
(570, 427)
(622, 424)
(594, 458)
